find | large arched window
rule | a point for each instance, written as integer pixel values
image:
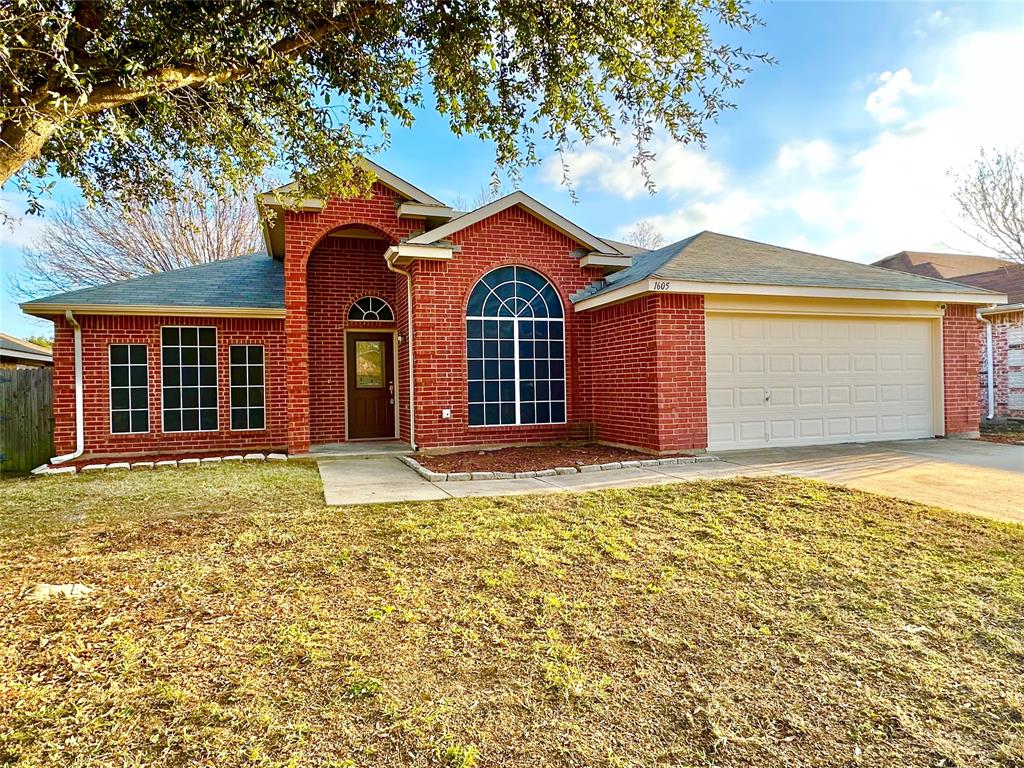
(515, 344)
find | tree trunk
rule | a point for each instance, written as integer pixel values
(21, 143)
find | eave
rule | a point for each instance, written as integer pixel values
(659, 285)
(405, 253)
(45, 309)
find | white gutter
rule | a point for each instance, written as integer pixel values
(79, 405)
(989, 365)
(408, 316)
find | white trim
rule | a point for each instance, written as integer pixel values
(419, 210)
(609, 262)
(110, 388)
(535, 207)
(394, 373)
(659, 285)
(403, 253)
(263, 386)
(12, 354)
(216, 376)
(41, 310)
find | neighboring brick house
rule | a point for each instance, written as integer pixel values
(1002, 336)
(395, 316)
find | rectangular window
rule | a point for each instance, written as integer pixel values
(129, 388)
(189, 368)
(248, 408)
(516, 371)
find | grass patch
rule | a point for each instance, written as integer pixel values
(238, 621)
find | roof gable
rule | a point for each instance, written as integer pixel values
(538, 209)
(396, 184)
(980, 271)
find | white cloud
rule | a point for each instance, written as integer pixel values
(884, 103)
(813, 157)
(677, 168)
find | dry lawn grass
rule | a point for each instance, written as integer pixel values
(238, 622)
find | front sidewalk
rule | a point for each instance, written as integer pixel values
(968, 476)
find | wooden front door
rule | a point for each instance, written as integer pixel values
(371, 385)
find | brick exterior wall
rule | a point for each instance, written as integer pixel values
(635, 372)
(1008, 360)
(304, 231)
(961, 350)
(339, 271)
(440, 292)
(648, 373)
(99, 332)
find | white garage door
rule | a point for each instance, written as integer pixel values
(792, 380)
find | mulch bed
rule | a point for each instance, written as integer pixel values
(531, 458)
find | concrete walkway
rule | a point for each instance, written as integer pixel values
(969, 476)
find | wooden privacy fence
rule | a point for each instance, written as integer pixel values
(26, 418)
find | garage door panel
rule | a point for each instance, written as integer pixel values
(826, 380)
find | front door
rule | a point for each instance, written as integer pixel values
(371, 385)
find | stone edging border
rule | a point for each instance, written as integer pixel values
(46, 469)
(442, 477)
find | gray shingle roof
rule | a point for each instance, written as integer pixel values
(709, 257)
(255, 281)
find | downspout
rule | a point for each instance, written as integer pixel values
(989, 365)
(79, 406)
(408, 317)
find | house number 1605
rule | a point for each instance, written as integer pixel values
(661, 285)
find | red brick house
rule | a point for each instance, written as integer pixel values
(396, 317)
(1001, 379)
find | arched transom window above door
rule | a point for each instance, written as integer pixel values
(515, 349)
(371, 309)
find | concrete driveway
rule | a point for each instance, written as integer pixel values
(965, 475)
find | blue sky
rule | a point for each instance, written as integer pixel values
(842, 147)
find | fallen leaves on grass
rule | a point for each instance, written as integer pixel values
(238, 621)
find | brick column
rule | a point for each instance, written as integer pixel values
(961, 358)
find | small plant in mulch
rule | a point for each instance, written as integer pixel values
(531, 458)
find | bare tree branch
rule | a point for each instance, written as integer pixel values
(990, 196)
(82, 246)
(645, 235)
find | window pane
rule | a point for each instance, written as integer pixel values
(138, 352)
(189, 337)
(119, 375)
(239, 418)
(120, 421)
(140, 421)
(208, 419)
(369, 364)
(256, 418)
(118, 354)
(208, 337)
